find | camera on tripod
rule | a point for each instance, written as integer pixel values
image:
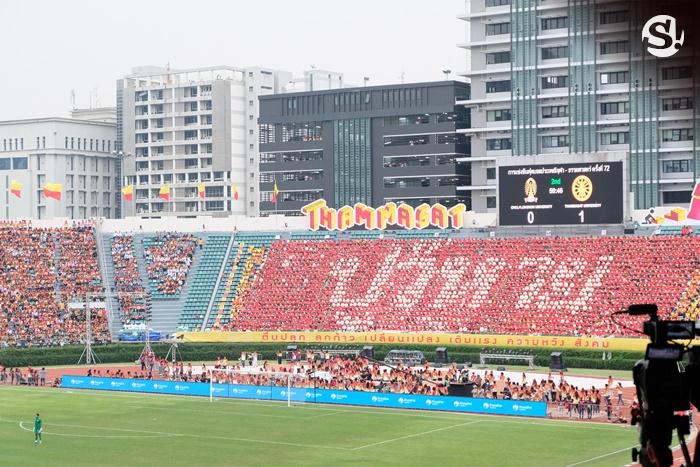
(667, 383)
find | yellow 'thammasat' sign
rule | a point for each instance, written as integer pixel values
(402, 215)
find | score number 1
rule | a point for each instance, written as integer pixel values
(531, 216)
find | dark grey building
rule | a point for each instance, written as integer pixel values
(371, 144)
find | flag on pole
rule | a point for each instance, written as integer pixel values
(201, 191)
(128, 192)
(53, 190)
(16, 188)
(235, 193)
(275, 192)
(165, 192)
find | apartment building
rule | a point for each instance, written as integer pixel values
(571, 79)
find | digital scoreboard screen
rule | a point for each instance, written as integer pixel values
(586, 193)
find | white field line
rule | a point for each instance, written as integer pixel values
(72, 435)
(191, 435)
(325, 414)
(601, 456)
(222, 412)
(423, 433)
(452, 416)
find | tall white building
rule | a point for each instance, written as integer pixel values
(182, 128)
(73, 155)
(570, 80)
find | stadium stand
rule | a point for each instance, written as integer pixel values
(557, 286)
(242, 264)
(41, 272)
(168, 258)
(128, 280)
(354, 281)
(215, 251)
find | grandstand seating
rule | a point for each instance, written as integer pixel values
(560, 286)
(168, 258)
(355, 281)
(127, 280)
(241, 265)
(43, 271)
(216, 247)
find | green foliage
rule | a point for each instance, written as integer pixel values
(124, 353)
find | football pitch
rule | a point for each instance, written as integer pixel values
(89, 428)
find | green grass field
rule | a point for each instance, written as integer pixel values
(88, 428)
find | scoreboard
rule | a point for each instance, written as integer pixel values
(585, 193)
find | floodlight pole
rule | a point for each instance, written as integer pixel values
(172, 352)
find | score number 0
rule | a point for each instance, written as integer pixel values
(531, 216)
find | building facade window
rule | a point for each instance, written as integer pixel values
(403, 120)
(611, 17)
(553, 82)
(550, 53)
(677, 134)
(491, 173)
(676, 197)
(677, 103)
(408, 140)
(498, 86)
(676, 166)
(555, 111)
(614, 47)
(20, 163)
(498, 144)
(617, 137)
(493, 3)
(493, 58)
(608, 108)
(677, 72)
(614, 77)
(559, 22)
(498, 115)
(497, 29)
(557, 141)
(491, 202)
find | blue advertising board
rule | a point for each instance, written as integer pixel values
(311, 395)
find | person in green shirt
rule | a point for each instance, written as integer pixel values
(37, 429)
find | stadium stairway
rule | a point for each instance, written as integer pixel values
(243, 261)
(104, 249)
(56, 262)
(217, 247)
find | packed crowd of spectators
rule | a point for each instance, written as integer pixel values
(168, 260)
(127, 280)
(688, 307)
(545, 286)
(41, 272)
(361, 374)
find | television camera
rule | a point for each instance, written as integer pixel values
(667, 382)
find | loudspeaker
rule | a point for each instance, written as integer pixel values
(556, 361)
(367, 352)
(460, 389)
(441, 356)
